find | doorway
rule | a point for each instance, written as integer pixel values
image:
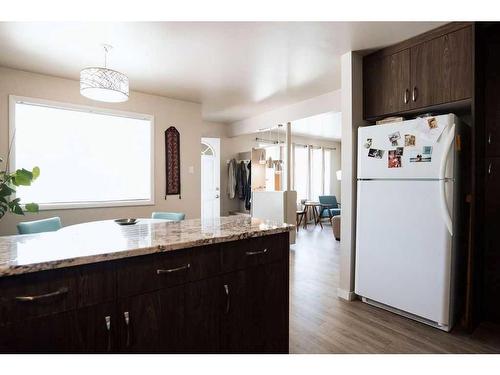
(210, 178)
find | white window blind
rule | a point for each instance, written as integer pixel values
(87, 157)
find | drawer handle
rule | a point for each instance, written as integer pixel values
(42, 296)
(228, 298)
(414, 94)
(184, 267)
(406, 96)
(256, 252)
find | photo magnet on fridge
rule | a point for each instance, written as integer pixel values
(393, 138)
(399, 151)
(374, 153)
(409, 140)
(368, 143)
(419, 156)
(393, 159)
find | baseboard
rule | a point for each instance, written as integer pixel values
(345, 294)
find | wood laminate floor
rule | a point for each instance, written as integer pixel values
(320, 322)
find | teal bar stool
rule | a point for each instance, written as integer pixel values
(38, 226)
(175, 216)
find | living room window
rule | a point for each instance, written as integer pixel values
(88, 157)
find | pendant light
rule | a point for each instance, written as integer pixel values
(103, 84)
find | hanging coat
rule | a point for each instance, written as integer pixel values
(248, 188)
(231, 178)
(241, 181)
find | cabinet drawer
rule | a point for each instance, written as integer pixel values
(152, 272)
(251, 252)
(38, 294)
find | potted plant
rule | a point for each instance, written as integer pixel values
(8, 183)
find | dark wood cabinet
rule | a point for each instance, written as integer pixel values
(426, 72)
(231, 297)
(441, 69)
(387, 84)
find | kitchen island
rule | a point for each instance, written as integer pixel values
(217, 286)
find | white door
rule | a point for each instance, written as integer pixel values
(210, 178)
(404, 247)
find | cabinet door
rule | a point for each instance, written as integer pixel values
(97, 329)
(492, 98)
(204, 308)
(49, 334)
(491, 290)
(386, 82)
(441, 69)
(139, 320)
(255, 319)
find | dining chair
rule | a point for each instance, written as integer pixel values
(175, 216)
(38, 226)
(300, 215)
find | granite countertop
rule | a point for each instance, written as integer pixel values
(105, 240)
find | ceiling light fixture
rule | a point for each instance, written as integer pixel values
(103, 84)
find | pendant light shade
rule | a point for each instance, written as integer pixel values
(103, 84)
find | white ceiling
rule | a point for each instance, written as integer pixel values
(236, 70)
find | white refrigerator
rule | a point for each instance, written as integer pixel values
(406, 217)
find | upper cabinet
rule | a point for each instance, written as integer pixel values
(387, 84)
(431, 70)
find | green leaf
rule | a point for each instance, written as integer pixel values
(22, 177)
(31, 207)
(15, 207)
(5, 190)
(36, 172)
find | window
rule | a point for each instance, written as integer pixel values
(316, 173)
(88, 157)
(312, 172)
(301, 171)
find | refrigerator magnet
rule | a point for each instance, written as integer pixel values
(368, 143)
(374, 153)
(394, 137)
(393, 159)
(410, 140)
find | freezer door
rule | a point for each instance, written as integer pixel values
(441, 158)
(403, 247)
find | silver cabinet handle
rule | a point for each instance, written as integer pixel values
(107, 319)
(59, 292)
(256, 252)
(489, 138)
(406, 96)
(228, 298)
(126, 316)
(184, 267)
(414, 94)
(489, 168)
(217, 196)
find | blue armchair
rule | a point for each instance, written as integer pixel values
(329, 206)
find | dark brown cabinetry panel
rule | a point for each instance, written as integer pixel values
(492, 99)
(48, 334)
(491, 290)
(386, 84)
(441, 69)
(251, 300)
(429, 71)
(232, 297)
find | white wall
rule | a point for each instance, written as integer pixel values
(329, 102)
(185, 116)
(352, 118)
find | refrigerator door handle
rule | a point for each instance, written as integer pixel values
(448, 143)
(445, 211)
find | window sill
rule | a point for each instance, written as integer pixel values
(109, 204)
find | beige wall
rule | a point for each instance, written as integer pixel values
(352, 118)
(185, 116)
